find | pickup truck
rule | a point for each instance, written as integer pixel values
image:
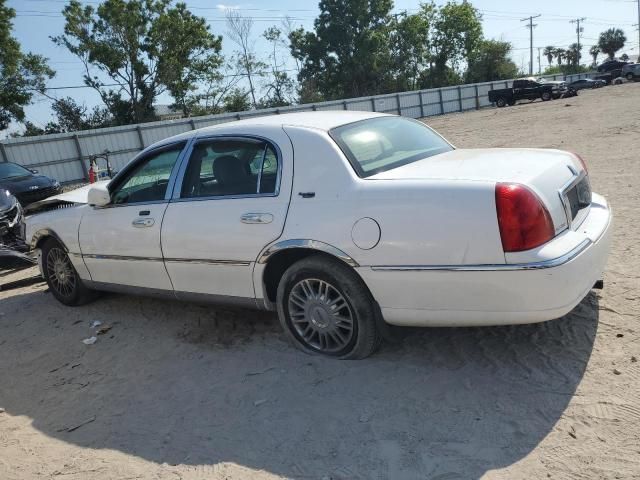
(523, 89)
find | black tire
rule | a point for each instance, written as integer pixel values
(64, 282)
(630, 76)
(316, 315)
(546, 96)
(512, 103)
(501, 102)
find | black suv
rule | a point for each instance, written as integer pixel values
(610, 65)
(26, 185)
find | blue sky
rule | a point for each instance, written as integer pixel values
(37, 20)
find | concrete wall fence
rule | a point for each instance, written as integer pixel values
(65, 156)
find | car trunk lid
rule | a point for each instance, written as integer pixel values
(556, 176)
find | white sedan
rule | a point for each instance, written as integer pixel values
(340, 221)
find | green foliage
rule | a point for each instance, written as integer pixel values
(573, 54)
(21, 74)
(561, 54)
(490, 61)
(550, 53)
(70, 117)
(347, 54)
(237, 101)
(457, 33)
(565, 69)
(279, 87)
(594, 51)
(611, 41)
(146, 47)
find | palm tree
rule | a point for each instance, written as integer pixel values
(561, 54)
(624, 57)
(573, 54)
(549, 52)
(611, 41)
(594, 51)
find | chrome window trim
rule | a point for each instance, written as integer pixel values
(555, 262)
(132, 164)
(177, 189)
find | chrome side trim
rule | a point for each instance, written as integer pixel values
(305, 243)
(240, 263)
(555, 262)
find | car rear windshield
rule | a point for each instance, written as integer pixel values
(379, 144)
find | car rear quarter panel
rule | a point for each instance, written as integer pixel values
(422, 222)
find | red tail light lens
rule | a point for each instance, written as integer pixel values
(523, 219)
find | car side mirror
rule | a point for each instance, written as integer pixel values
(99, 196)
(33, 170)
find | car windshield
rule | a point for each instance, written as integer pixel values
(10, 170)
(380, 144)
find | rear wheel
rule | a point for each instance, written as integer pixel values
(501, 102)
(325, 308)
(63, 280)
(629, 76)
(546, 96)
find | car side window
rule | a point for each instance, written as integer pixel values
(228, 167)
(148, 182)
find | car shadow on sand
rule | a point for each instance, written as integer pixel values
(184, 384)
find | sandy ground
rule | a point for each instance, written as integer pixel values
(177, 391)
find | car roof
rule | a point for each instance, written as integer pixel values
(324, 120)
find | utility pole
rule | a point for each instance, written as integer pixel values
(539, 65)
(579, 30)
(530, 27)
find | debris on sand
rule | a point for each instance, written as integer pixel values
(104, 329)
(617, 372)
(76, 427)
(96, 323)
(90, 340)
(257, 403)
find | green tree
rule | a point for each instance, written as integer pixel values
(550, 53)
(409, 44)
(347, 53)
(457, 33)
(611, 41)
(21, 74)
(561, 54)
(490, 61)
(237, 101)
(279, 86)
(573, 54)
(143, 47)
(624, 57)
(70, 117)
(594, 51)
(239, 31)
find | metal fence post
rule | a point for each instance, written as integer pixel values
(192, 123)
(3, 153)
(344, 104)
(373, 104)
(398, 101)
(140, 137)
(421, 104)
(85, 170)
(441, 103)
(477, 98)
(460, 97)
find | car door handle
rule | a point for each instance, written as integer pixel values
(143, 222)
(256, 218)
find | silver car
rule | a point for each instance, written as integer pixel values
(631, 71)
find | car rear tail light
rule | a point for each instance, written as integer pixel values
(582, 162)
(524, 221)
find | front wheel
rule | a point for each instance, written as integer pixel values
(325, 308)
(63, 280)
(546, 96)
